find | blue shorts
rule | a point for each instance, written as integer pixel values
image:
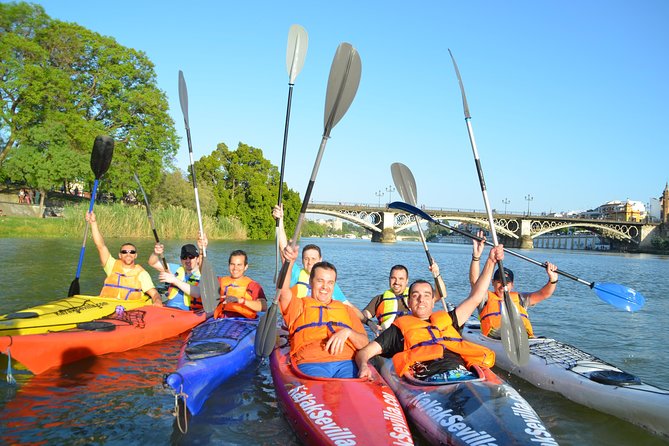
(334, 369)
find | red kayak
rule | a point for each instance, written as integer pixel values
(115, 333)
(335, 411)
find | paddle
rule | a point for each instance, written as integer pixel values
(208, 283)
(406, 186)
(101, 156)
(153, 224)
(619, 296)
(514, 335)
(296, 52)
(343, 83)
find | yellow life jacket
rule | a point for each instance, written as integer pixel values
(173, 292)
(121, 284)
(388, 308)
(491, 314)
(302, 288)
(230, 287)
(426, 340)
(317, 323)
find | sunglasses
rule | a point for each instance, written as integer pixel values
(128, 251)
(188, 258)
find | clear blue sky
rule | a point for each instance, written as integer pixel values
(569, 99)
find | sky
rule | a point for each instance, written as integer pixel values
(569, 99)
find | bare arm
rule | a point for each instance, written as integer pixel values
(548, 289)
(285, 294)
(364, 355)
(477, 251)
(97, 238)
(277, 212)
(154, 258)
(155, 297)
(480, 288)
(187, 288)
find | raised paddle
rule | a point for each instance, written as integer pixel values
(150, 215)
(406, 186)
(620, 296)
(101, 156)
(514, 335)
(208, 283)
(296, 52)
(342, 85)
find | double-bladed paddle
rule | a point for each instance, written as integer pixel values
(101, 156)
(342, 85)
(150, 215)
(406, 186)
(296, 52)
(208, 283)
(514, 335)
(620, 296)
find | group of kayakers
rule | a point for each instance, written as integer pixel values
(326, 332)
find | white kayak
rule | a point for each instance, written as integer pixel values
(584, 379)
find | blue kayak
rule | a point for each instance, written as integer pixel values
(214, 352)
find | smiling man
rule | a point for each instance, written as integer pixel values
(392, 303)
(125, 279)
(240, 295)
(183, 291)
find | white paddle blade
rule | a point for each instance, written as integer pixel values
(296, 53)
(343, 83)
(404, 183)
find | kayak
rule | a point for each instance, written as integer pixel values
(63, 314)
(336, 411)
(118, 332)
(215, 351)
(584, 379)
(483, 411)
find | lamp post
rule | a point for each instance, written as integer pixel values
(379, 194)
(529, 198)
(390, 190)
(506, 201)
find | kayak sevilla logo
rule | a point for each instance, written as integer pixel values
(393, 412)
(321, 416)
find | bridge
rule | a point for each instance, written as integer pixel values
(514, 230)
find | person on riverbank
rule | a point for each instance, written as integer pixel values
(125, 279)
(428, 342)
(490, 310)
(240, 295)
(324, 333)
(183, 291)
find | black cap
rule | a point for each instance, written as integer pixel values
(189, 250)
(507, 272)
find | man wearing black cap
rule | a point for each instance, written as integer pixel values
(183, 291)
(490, 310)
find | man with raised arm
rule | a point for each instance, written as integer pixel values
(183, 291)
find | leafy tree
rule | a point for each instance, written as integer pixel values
(176, 190)
(62, 85)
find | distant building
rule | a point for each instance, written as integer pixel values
(629, 210)
(664, 204)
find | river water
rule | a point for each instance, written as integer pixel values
(119, 398)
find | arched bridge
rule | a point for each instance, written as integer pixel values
(514, 230)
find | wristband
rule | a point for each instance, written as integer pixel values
(475, 259)
(553, 282)
(243, 301)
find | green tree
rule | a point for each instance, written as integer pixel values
(62, 85)
(176, 190)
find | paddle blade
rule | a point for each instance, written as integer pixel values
(74, 288)
(296, 53)
(514, 335)
(183, 97)
(404, 183)
(619, 296)
(101, 156)
(342, 84)
(406, 207)
(266, 335)
(208, 286)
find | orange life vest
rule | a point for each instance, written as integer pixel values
(388, 308)
(230, 287)
(491, 314)
(121, 284)
(426, 340)
(317, 323)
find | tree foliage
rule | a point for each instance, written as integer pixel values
(176, 190)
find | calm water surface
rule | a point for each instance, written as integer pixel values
(119, 398)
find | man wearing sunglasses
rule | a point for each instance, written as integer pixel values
(183, 291)
(125, 279)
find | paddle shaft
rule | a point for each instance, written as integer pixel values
(151, 222)
(83, 246)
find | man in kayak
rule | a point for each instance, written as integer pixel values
(392, 303)
(324, 333)
(240, 295)
(183, 291)
(125, 279)
(490, 308)
(426, 339)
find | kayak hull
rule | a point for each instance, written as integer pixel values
(63, 314)
(585, 379)
(334, 411)
(214, 352)
(117, 333)
(482, 411)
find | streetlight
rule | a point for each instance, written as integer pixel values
(529, 198)
(506, 201)
(379, 194)
(390, 191)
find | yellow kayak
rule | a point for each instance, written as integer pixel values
(63, 314)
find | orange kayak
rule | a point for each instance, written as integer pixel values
(117, 333)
